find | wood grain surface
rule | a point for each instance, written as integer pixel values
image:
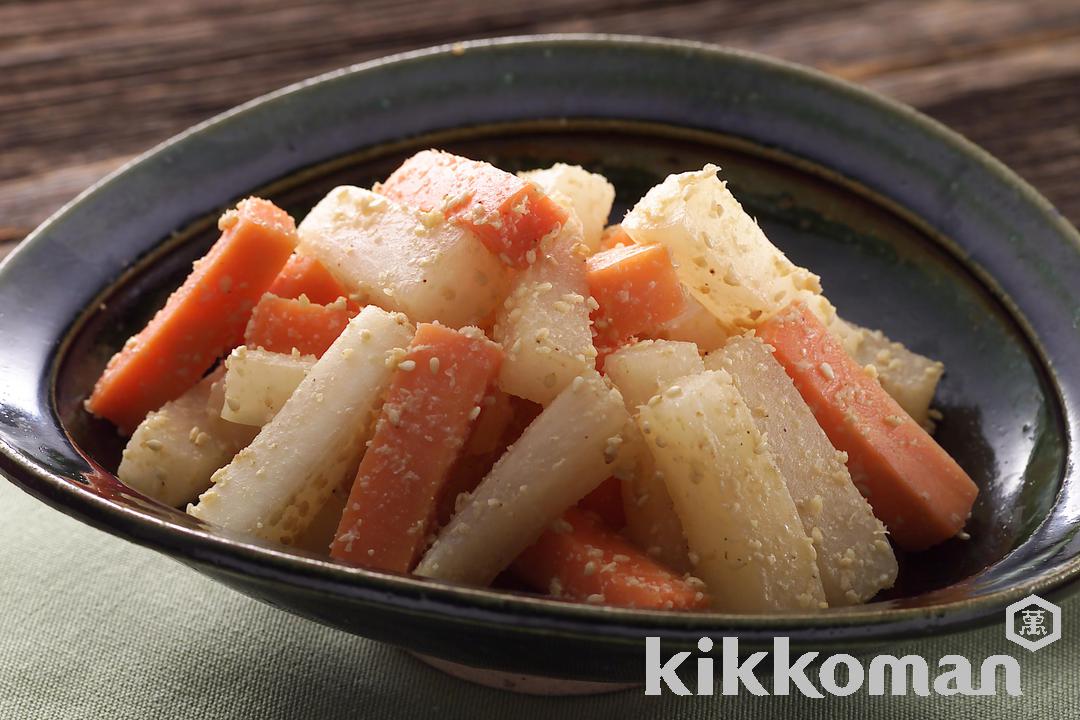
(87, 84)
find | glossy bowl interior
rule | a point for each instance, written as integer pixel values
(912, 230)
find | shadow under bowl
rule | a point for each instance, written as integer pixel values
(912, 229)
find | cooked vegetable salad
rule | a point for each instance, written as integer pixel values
(466, 375)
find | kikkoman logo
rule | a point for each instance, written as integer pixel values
(1032, 623)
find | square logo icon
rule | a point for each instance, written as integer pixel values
(1033, 623)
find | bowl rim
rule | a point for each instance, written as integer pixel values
(526, 612)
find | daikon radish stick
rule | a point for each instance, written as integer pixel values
(274, 487)
(564, 454)
(258, 382)
(403, 259)
(651, 520)
(645, 368)
(544, 324)
(721, 255)
(745, 536)
(853, 555)
(640, 371)
(696, 325)
(176, 449)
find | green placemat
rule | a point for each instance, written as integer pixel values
(93, 627)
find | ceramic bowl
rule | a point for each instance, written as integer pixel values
(913, 230)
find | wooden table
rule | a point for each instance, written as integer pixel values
(86, 84)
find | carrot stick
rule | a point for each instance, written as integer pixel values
(578, 559)
(281, 324)
(636, 289)
(914, 487)
(433, 400)
(614, 236)
(508, 214)
(479, 456)
(304, 275)
(606, 501)
(203, 319)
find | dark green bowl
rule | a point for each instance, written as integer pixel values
(913, 230)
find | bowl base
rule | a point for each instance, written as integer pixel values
(524, 684)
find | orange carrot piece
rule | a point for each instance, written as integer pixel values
(307, 276)
(281, 324)
(636, 288)
(201, 320)
(508, 214)
(607, 502)
(486, 444)
(914, 487)
(578, 559)
(433, 400)
(496, 413)
(475, 463)
(614, 236)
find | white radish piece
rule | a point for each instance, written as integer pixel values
(645, 368)
(695, 324)
(174, 451)
(564, 454)
(403, 259)
(275, 486)
(720, 254)
(853, 555)
(258, 382)
(746, 539)
(651, 521)
(640, 371)
(544, 324)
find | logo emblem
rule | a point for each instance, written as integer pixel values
(1033, 623)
